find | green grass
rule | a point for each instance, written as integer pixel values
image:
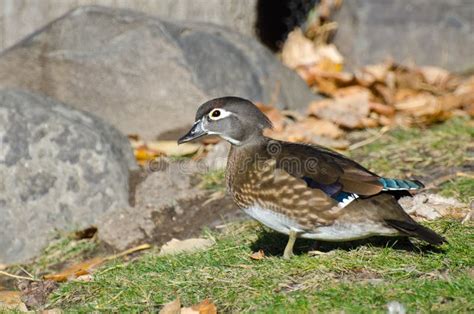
(421, 152)
(460, 188)
(363, 277)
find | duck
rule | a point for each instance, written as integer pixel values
(304, 190)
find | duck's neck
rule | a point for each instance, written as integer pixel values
(243, 158)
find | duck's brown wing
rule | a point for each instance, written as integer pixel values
(277, 190)
(325, 169)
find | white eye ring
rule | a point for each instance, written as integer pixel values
(215, 114)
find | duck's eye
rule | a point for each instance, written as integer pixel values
(216, 113)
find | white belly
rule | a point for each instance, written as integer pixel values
(338, 231)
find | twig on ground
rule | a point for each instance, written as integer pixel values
(4, 273)
(128, 252)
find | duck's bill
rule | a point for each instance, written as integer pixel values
(196, 132)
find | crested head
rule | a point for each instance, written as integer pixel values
(235, 119)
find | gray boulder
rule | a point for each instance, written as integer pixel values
(60, 169)
(428, 32)
(143, 74)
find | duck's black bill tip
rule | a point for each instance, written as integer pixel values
(195, 132)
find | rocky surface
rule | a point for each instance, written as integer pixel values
(60, 169)
(21, 17)
(169, 204)
(429, 32)
(143, 74)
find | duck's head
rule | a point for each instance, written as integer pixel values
(234, 119)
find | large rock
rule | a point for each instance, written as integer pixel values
(429, 32)
(60, 169)
(143, 74)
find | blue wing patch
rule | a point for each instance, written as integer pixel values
(400, 185)
(333, 190)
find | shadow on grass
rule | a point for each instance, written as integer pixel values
(273, 244)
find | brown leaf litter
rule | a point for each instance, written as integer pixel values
(88, 266)
(259, 255)
(373, 95)
(175, 307)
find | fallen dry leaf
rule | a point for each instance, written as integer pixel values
(205, 307)
(314, 127)
(143, 154)
(176, 246)
(173, 307)
(11, 300)
(417, 104)
(76, 270)
(171, 148)
(435, 76)
(381, 109)
(146, 151)
(379, 71)
(402, 94)
(324, 85)
(258, 255)
(348, 111)
(426, 108)
(398, 94)
(295, 135)
(352, 90)
(86, 267)
(332, 55)
(298, 50)
(383, 93)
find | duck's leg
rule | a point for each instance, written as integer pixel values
(288, 253)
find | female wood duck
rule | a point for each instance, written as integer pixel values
(303, 190)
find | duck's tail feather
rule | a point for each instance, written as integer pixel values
(399, 184)
(414, 229)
